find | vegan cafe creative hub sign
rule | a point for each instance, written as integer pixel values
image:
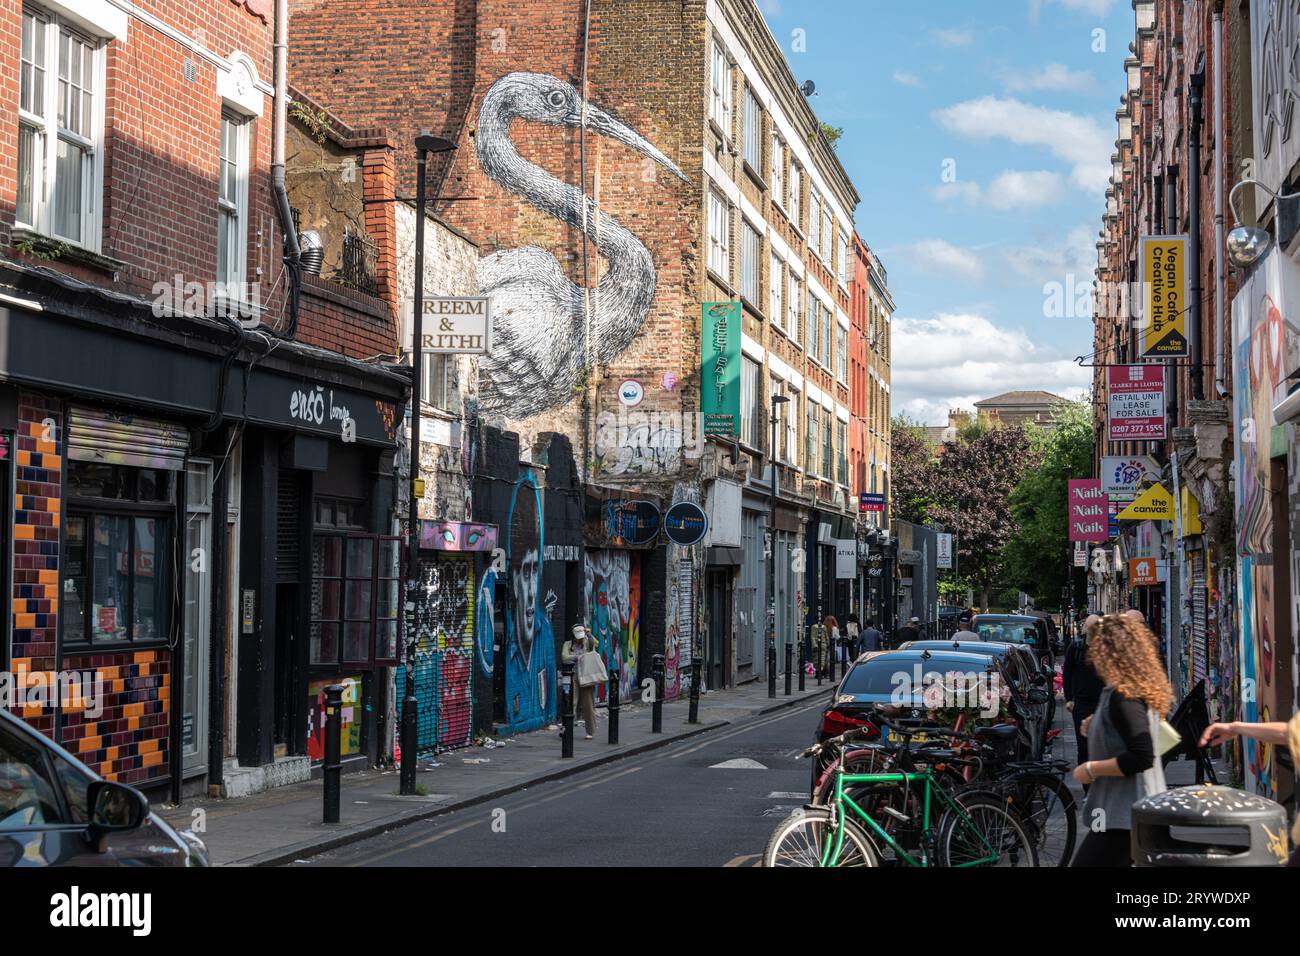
(1164, 296)
(720, 369)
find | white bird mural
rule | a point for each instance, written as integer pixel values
(538, 313)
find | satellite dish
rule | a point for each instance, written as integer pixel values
(809, 88)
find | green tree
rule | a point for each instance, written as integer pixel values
(832, 134)
(912, 468)
(1038, 556)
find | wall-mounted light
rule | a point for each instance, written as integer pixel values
(1246, 244)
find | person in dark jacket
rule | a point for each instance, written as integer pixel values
(1119, 735)
(1081, 684)
(871, 636)
(911, 631)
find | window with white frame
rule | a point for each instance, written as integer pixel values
(814, 220)
(232, 200)
(794, 302)
(841, 353)
(790, 452)
(826, 233)
(60, 129)
(720, 94)
(719, 236)
(751, 245)
(827, 415)
(844, 261)
(776, 290)
(752, 144)
(826, 340)
(812, 429)
(751, 402)
(796, 184)
(842, 451)
(813, 325)
(440, 383)
(777, 175)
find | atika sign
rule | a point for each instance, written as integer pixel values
(1088, 507)
(1164, 296)
(1135, 402)
(451, 325)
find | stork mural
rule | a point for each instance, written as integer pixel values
(538, 314)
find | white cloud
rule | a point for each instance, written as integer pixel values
(956, 359)
(943, 258)
(1054, 77)
(1097, 8)
(1077, 140)
(904, 78)
(953, 38)
(1075, 256)
(771, 7)
(1011, 189)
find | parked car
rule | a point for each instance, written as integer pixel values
(885, 682)
(1017, 629)
(56, 811)
(1028, 678)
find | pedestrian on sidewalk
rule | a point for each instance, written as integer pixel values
(589, 672)
(1082, 686)
(852, 635)
(909, 632)
(871, 637)
(1123, 765)
(833, 638)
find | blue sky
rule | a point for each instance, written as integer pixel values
(978, 134)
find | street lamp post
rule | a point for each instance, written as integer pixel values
(425, 144)
(777, 401)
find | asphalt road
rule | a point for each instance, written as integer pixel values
(669, 807)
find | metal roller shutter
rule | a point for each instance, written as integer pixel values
(115, 438)
(1200, 664)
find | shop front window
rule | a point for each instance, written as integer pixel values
(354, 599)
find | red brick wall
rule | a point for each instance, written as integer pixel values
(334, 317)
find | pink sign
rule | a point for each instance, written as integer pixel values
(1088, 510)
(1136, 402)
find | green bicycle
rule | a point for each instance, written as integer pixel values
(974, 829)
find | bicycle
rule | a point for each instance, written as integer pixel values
(975, 830)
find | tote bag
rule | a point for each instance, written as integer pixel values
(1153, 780)
(591, 669)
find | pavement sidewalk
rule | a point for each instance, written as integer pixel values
(282, 825)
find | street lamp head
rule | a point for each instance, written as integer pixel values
(428, 143)
(780, 399)
(1245, 244)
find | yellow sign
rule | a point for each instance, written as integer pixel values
(1154, 504)
(1164, 296)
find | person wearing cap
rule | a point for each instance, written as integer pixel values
(911, 631)
(588, 672)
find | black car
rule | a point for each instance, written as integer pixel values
(55, 811)
(1017, 629)
(1028, 678)
(892, 683)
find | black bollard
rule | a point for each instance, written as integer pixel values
(334, 751)
(614, 703)
(657, 708)
(803, 664)
(566, 687)
(771, 669)
(789, 667)
(693, 717)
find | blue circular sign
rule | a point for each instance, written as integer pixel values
(686, 523)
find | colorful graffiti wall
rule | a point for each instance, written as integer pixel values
(613, 602)
(529, 637)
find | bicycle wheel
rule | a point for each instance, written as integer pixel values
(1049, 812)
(801, 841)
(982, 832)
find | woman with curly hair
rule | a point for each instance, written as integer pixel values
(1120, 745)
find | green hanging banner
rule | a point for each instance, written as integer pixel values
(720, 369)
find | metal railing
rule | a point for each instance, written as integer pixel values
(357, 268)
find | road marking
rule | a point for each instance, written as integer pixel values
(746, 728)
(742, 860)
(740, 763)
(787, 795)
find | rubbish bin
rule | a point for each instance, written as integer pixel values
(1208, 826)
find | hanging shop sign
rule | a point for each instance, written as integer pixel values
(631, 522)
(943, 550)
(1135, 402)
(1164, 296)
(846, 559)
(452, 325)
(720, 368)
(871, 503)
(1087, 503)
(1142, 571)
(1124, 475)
(1155, 504)
(686, 523)
(457, 536)
(1080, 554)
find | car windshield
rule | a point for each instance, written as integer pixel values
(883, 676)
(1007, 631)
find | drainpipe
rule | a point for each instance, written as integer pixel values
(293, 254)
(1220, 269)
(1196, 376)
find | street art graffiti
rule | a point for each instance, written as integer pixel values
(350, 742)
(539, 314)
(485, 620)
(613, 603)
(444, 650)
(529, 641)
